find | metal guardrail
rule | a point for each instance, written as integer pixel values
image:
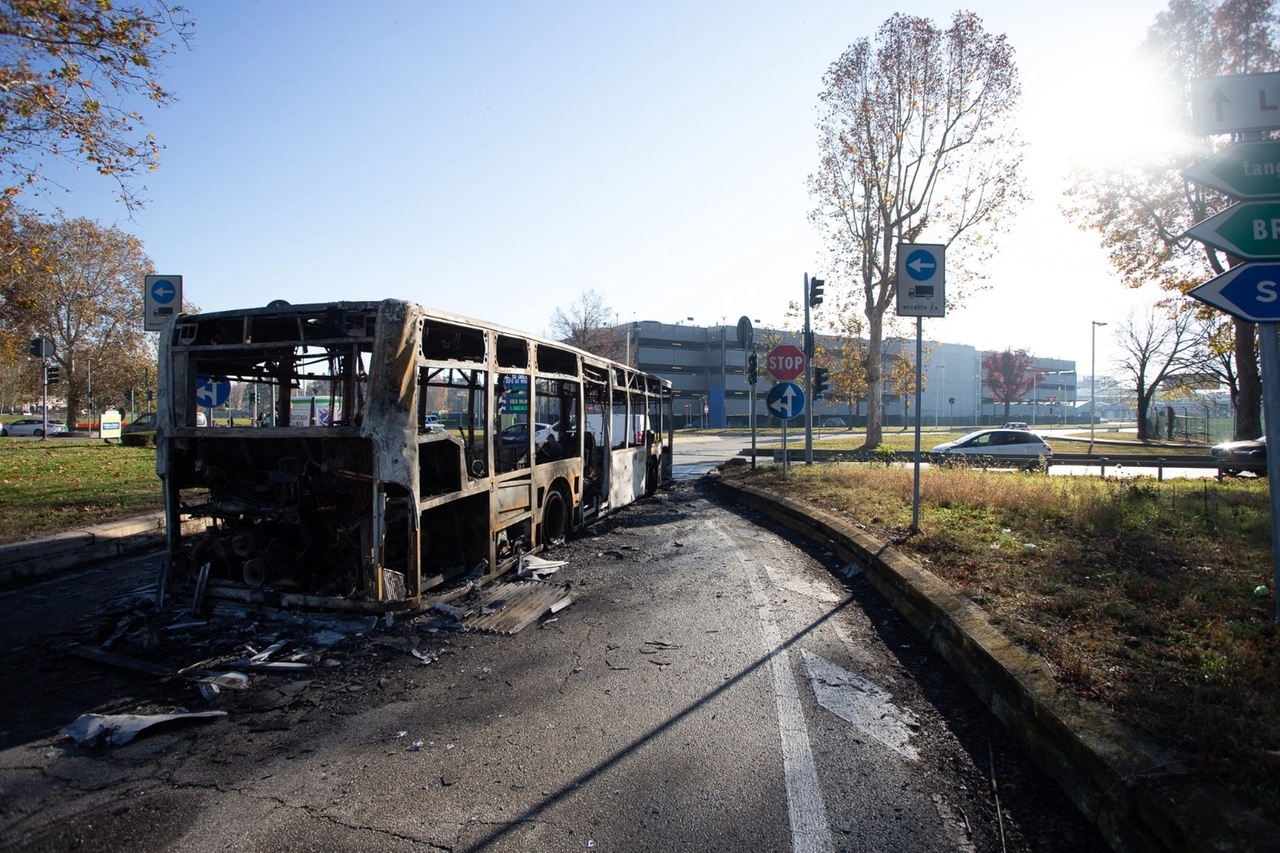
(1101, 461)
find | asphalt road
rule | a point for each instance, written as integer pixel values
(714, 686)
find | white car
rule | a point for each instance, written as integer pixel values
(1019, 446)
(518, 433)
(1016, 425)
(33, 426)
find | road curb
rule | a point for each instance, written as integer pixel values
(1138, 796)
(39, 558)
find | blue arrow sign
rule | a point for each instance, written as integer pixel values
(163, 291)
(785, 401)
(212, 391)
(1249, 291)
(921, 265)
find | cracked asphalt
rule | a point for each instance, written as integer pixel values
(715, 685)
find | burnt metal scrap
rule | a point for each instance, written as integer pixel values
(343, 489)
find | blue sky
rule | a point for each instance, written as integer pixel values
(496, 159)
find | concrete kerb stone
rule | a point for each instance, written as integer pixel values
(1137, 795)
(47, 556)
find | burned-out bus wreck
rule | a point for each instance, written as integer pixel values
(383, 451)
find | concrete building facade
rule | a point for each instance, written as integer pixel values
(707, 369)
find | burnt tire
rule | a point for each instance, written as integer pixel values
(555, 519)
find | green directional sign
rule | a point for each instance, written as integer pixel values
(1249, 230)
(1246, 170)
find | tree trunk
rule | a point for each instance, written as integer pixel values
(73, 393)
(875, 382)
(1144, 403)
(1249, 399)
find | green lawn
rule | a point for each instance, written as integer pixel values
(50, 486)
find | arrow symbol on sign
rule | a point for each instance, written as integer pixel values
(1218, 99)
(921, 264)
(779, 406)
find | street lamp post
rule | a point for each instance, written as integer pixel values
(1093, 378)
(937, 395)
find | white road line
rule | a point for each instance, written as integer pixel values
(808, 812)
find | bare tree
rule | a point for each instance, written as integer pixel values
(1158, 348)
(916, 140)
(587, 326)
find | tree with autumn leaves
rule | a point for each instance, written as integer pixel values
(75, 76)
(1008, 376)
(916, 141)
(1141, 210)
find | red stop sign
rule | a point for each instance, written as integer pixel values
(785, 362)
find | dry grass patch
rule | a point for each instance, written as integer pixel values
(1153, 598)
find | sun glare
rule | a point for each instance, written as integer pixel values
(1110, 113)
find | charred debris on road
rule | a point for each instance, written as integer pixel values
(265, 663)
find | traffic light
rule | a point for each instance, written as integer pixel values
(815, 292)
(752, 369)
(51, 375)
(820, 384)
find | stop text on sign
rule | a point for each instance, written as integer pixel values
(785, 362)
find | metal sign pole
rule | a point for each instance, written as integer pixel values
(808, 377)
(784, 451)
(915, 497)
(1269, 342)
(44, 398)
(751, 412)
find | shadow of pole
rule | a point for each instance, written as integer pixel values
(591, 774)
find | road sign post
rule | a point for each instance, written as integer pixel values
(785, 362)
(1246, 170)
(1248, 230)
(162, 299)
(1248, 104)
(785, 401)
(1236, 104)
(1249, 291)
(922, 280)
(922, 292)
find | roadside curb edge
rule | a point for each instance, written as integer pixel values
(40, 558)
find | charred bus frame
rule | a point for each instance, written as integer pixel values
(426, 463)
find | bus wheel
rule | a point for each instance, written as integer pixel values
(555, 519)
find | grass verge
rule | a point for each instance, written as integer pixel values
(1152, 598)
(50, 486)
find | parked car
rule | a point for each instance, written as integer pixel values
(33, 426)
(1236, 456)
(1019, 446)
(1016, 425)
(431, 424)
(833, 422)
(145, 422)
(519, 433)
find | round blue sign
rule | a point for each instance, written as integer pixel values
(785, 401)
(921, 265)
(163, 291)
(212, 391)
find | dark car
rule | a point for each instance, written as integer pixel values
(1237, 456)
(145, 422)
